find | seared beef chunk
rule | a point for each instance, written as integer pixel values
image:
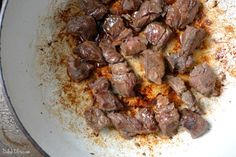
(96, 119)
(126, 125)
(130, 5)
(109, 52)
(83, 27)
(126, 33)
(132, 46)
(182, 13)
(203, 79)
(147, 118)
(189, 99)
(191, 39)
(154, 66)
(167, 116)
(107, 101)
(180, 62)
(113, 26)
(177, 84)
(148, 12)
(78, 69)
(129, 126)
(123, 79)
(105, 1)
(194, 123)
(89, 51)
(93, 8)
(158, 34)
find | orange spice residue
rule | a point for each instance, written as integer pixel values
(116, 8)
(229, 29)
(104, 72)
(152, 90)
(173, 97)
(136, 102)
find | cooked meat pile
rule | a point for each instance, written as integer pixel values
(109, 33)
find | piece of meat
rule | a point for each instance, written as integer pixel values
(83, 27)
(93, 8)
(180, 62)
(147, 118)
(158, 34)
(126, 125)
(79, 70)
(171, 62)
(177, 84)
(167, 116)
(194, 123)
(96, 119)
(154, 66)
(109, 52)
(203, 79)
(182, 13)
(89, 51)
(130, 5)
(132, 46)
(106, 100)
(123, 79)
(105, 1)
(148, 12)
(189, 99)
(126, 33)
(113, 26)
(184, 63)
(191, 39)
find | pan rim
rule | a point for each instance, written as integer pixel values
(7, 98)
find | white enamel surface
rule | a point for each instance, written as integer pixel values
(18, 54)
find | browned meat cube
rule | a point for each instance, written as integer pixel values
(89, 51)
(203, 79)
(83, 27)
(182, 13)
(189, 99)
(105, 1)
(131, 5)
(180, 62)
(143, 123)
(167, 116)
(147, 118)
(177, 84)
(148, 12)
(191, 39)
(126, 125)
(194, 123)
(123, 79)
(79, 70)
(93, 8)
(107, 101)
(154, 66)
(132, 46)
(158, 34)
(113, 26)
(96, 119)
(109, 52)
(126, 33)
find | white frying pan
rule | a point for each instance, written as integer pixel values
(34, 94)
